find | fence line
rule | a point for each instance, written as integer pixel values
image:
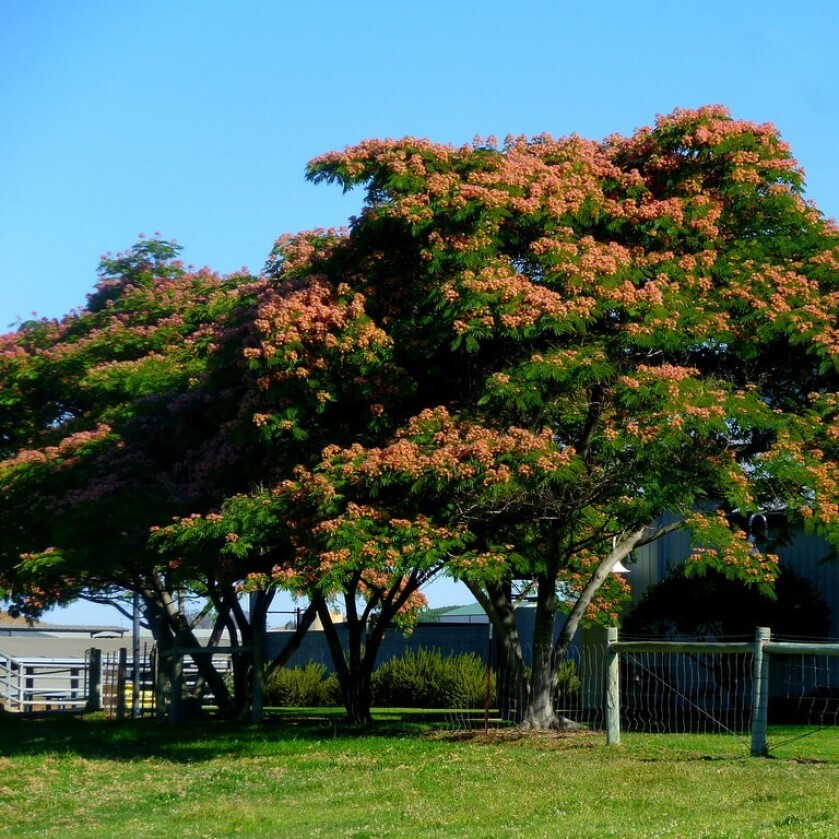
(103, 681)
(727, 687)
(761, 652)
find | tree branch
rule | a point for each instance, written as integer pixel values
(642, 536)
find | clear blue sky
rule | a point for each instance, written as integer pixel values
(196, 117)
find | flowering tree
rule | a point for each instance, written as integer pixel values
(589, 335)
(320, 376)
(109, 427)
(517, 358)
(371, 564)
(171, 392)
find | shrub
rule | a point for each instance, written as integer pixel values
(302, 687)
(427, 679)
(568, 683)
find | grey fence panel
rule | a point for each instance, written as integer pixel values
(449, 639)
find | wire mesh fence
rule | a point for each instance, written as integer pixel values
(735, 687)
(674, 687)
(700, 693)
(804, 690)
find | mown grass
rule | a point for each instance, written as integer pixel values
(310, 775)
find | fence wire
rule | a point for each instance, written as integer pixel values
(804, 690)
(671, 692)
(686, 692)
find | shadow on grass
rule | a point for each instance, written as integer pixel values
(93, 736)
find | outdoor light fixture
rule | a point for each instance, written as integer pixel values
(618, 567)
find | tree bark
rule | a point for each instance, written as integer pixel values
(536, 691)
(539, 713)
(355, 688)
(512, 682)
(642, 536)
(364, 639)
(163, 611)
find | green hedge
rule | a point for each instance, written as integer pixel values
(421, 679)
(427, 679)
(302, 687)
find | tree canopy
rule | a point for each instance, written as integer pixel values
(514, 361)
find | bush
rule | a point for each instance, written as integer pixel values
(568, 683)
(302, 687)
(427, 679)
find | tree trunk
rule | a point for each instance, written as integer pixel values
(539, 713)
(354, 681)
(535, 708)
(365, 634)
(512, 683)
(546, 660)
(358, 697)
(259, 604)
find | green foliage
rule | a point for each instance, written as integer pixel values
(568, 682)
(427, 679)
(302, 687)
(516, 360)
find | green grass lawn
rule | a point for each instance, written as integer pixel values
(300, 776)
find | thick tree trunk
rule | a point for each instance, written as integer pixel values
(164, 640)
(358, 697)
(512, 683)
(536, 707)
(540, 714)
(260, 601)
(525, 698)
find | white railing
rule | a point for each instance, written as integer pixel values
(99, 682)
(30, 685)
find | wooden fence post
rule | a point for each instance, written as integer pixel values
(94, 680)
(613, 689)
(760, 693)
(121, 682)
